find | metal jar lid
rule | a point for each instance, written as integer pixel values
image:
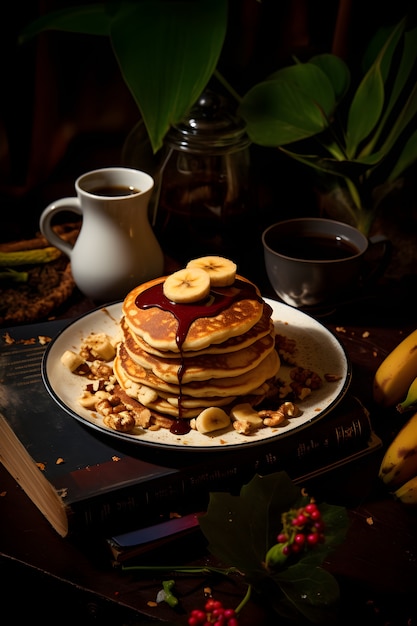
(211, 128)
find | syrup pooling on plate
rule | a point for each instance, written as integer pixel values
(218, 300)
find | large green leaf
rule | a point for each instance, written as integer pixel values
(336, 70)
(369, 99)
(89, 19)
(167, 52)
(407, 157)
(240, 529)
(296, 103)
(365, 110)
(402, 73)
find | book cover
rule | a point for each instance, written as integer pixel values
(82, 480)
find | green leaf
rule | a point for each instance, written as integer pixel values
(240, 529)
(336, 70)
(407, 157)
(315, 592)
(167, 52)
(368, 101)
(296, 103)
(365, 110)
(90, 19)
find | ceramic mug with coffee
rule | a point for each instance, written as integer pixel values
(116, 248)
(316, 261)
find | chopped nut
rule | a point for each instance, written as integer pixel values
(244, 427)
(122, 422)
(289, 409)
(273, 418)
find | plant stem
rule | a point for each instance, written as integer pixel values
(244, 600)
(226, 571)
(227, 85)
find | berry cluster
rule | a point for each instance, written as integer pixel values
(214, 614)
(302, 528)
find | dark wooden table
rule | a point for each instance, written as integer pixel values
(61, 580)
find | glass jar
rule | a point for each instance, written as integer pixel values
(202, 203)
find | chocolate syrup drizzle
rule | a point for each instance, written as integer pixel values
(218, 300)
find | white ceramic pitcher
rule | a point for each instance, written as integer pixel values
(116, 248)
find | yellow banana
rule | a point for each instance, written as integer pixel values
(407, 493)
(399, 463)
(396, 372)
(410, 400)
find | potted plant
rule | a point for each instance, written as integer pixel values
(362, 136)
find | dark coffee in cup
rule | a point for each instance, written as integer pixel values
(112, 191)
(314, 247)
(316, 261)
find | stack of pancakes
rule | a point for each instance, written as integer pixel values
(220, 359)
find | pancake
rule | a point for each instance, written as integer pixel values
(201, 366)
(265, 326)
(159, 326)
(242, 384)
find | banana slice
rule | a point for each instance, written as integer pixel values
(72, 360)
(222, 271)
(246, 413)
(100, 345)
(187, 285)
(210, 419)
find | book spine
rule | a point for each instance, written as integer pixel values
(181, 492)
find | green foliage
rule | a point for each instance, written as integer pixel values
(367, 140)
(242, 529)
(167, 50)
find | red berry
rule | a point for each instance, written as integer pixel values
(310, 508)
(313, 538)
(282, 538)
(300, 519)
(316, 515)
(299, 539)
(233, 622)
(212, 604)
(286, 550)
(229, 613)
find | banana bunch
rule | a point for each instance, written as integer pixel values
(398, 469)
(395, 381)
(395, 385)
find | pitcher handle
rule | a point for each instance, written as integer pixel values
(45, 222)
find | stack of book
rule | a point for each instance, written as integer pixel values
(84, 481)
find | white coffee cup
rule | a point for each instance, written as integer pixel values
(116, 248)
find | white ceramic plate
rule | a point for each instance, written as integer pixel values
(317, 349)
